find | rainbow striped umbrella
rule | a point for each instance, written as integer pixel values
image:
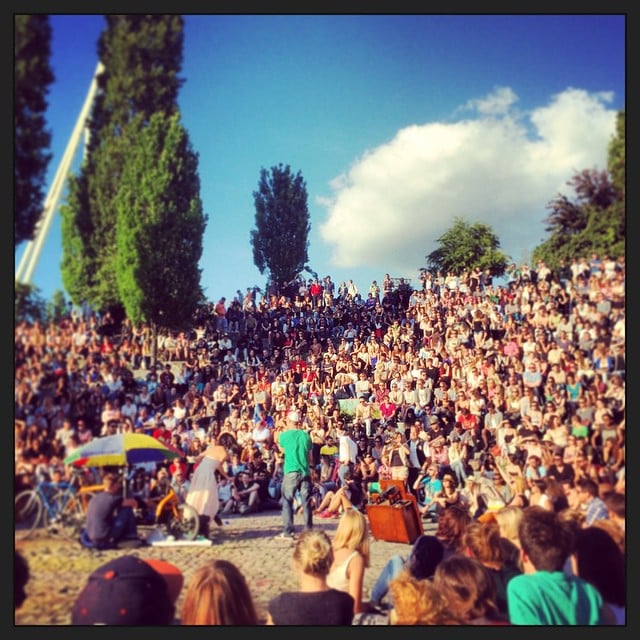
(120, 450)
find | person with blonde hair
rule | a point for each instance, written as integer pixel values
(521, 493)
(315, 603)
(218, 594)
(508, 518)
(351, 557)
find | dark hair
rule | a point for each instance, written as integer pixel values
(545, 538)
(427, 552)
(616, 502)
(20, 579)
(588, 485)
(601, 563)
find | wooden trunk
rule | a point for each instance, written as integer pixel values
(398, 522)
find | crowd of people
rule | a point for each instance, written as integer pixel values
(482, 399)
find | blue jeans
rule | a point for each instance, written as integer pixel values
(124, 526)
(326, 487)
(389, 572)
(458, 468)
(275, 488)
(294, 482)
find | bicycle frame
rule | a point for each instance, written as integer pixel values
(54, 496)
(167, 503)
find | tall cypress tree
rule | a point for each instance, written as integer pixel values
(32, 77)
(142, 58)
(160, 224)
(281, 238)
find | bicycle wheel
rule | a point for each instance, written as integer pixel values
(69, 517)
(27, 513)
(185, 525)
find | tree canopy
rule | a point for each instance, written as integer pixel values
(160, 224)
(280, 239)
(593, 221)
(32, 77)
(142, 58)
(467, 246)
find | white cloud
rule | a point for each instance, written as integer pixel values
(500, 168)
(498, 102)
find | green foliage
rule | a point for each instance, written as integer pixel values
(142, 57)
(32, 77)
(594, 220)
(616, 160)
(29, 304)
(468, 246)
(160, 224)
(280, 239)
(57, 307)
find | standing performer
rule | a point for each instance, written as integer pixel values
(296, 446)
(203, 492)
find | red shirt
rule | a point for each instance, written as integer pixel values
(468, 421)
(163, 434)
(315, 289)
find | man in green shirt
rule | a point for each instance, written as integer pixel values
(544, 594)
(296, 446)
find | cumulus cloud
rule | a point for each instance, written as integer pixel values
(498, 166)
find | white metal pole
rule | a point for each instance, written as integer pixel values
(33, 249)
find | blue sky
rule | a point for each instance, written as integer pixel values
(398, 125)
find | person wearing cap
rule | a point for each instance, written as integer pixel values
(295, 443)
(129, 591)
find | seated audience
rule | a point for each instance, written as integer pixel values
(351, 557)
(469, 591)
(315, 603)
(129, 591)
(421, 563)
(544, 594)
(218, 594)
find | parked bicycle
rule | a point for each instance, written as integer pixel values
(179, 519)
(58, 507)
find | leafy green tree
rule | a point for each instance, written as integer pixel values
(616, 158)
(593, 221)
(280, 240)
(160, 224)
(57, 307)
(29, 305)
(142, 57)
(468, 246)
(32, 77)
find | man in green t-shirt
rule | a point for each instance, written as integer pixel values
(296, 446)
(544, 594)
